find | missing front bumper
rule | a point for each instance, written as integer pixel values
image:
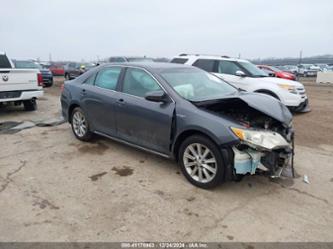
(248, 161)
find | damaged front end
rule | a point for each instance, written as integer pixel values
(263, 150)
(265, 138)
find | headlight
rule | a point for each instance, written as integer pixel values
(265, 139)
(287, 87)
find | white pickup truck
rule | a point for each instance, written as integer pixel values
(19, 85)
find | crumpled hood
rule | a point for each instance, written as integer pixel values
(260, 102)
(267, 105)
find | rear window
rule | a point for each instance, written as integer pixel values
(4, 62)
(179, 60)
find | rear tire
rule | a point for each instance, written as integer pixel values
(30, 105)
(201, 162)
(80, 125)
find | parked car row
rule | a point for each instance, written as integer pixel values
(306, 70)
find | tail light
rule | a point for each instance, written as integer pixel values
(40, 79)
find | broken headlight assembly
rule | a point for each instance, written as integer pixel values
(266, 140)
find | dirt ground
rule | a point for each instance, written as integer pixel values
(56, 188)
(316, 128)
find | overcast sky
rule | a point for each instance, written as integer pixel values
(85, 29)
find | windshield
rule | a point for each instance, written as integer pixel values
(253, 69)
(197, 85)
(27, 64)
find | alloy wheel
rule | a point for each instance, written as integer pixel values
(79, 124)
(200, 162)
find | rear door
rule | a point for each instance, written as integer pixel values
(98, 97)
(139, 121)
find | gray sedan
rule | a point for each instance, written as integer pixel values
(215, 132)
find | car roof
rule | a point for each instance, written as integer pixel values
(151, 66)
(211, 57)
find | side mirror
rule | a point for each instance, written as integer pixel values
(240, 73)
(156, 96)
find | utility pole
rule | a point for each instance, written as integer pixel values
(300, 57)
(50, 57)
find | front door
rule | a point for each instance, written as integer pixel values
(139, 121)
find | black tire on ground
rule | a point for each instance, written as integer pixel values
(219, 176)
(87, 135)
(30, 105)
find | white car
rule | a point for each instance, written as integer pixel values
(245, 75)
(19, 85)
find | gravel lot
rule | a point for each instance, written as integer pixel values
(56, 188)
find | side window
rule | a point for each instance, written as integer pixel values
(90, 80)
(228, 67)
(207, 65)
(138, 82)
(179, 60)
(108, 78)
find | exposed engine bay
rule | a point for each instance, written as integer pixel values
(266, 144)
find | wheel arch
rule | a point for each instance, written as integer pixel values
(70, 110)
(187, 133)
(268, 92)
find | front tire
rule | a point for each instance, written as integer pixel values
(30, 105)
(80, 125)
(201, 162)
